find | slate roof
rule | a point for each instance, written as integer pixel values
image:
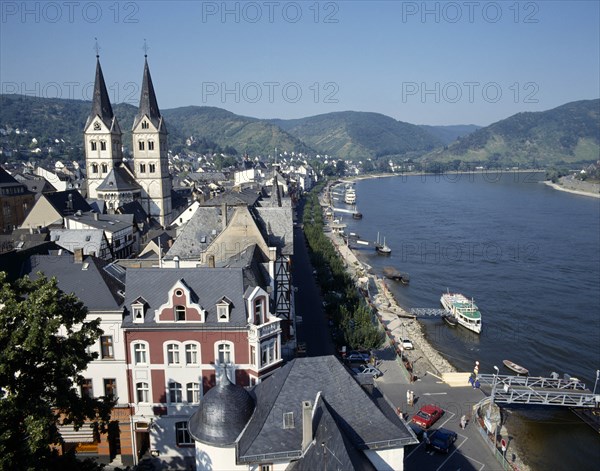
(357, 416)
(60, 201)
(119, 179)
(100, 102)
(197, 234)
(209, 285)
(90, 240)
(88, 281)
(332, 449)
(136, 209)
(245, 197)
(277, 225)
(106, 222)
(148, 103)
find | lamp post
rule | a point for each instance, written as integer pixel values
(489, 412)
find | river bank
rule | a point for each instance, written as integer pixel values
(591, 189)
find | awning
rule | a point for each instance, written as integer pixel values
(85, 434)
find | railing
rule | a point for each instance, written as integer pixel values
(260, 331)
(532, 382)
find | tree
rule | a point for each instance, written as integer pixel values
(44, 339)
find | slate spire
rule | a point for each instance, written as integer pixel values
(148, 104)
(100, 102)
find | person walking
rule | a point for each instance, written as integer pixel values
(463, 422)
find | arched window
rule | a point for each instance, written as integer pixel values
(191, 354)
(141, 145)
(175, 393)
(224, 353)
(259, 310)
(104, 168)
(142, 392)
(193, 393)
(180, 313)
(173, 354)
(93, 145)
(102, 145)
(94, 168)
(150, 145)
(140, 353)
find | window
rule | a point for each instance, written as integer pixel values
(141, 145)
(223, 312)
(87, 388)
(110, 387)
(104, 168)
(191, 354)
(145, 125)
(93, 145)
(138, 313)
(175, 396)
(139, 350)
(173, 354)
(252, 355)
(224, 353)
(258, 310)
(143, 168)
(288, 420)
(152, 168)
(151, 146)
(106, 347)
(183, 437)
(141, 390)
(193, 392)
(179, 313)
(102, 145)
(94, 168)
(266, 467)
(268, 352)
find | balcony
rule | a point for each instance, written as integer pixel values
(258, 332)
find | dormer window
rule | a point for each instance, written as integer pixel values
(223, 310)
(137, 311)
(259, 310)
(180, 313)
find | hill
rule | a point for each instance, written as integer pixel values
(47, 119)
(357, 135)
(451, 133)
(567, 134)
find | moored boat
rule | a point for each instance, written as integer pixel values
(382, 249)
(450, 320)
(516, 368)
(463, 310)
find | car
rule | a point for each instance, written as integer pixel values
(427, 415)
(442, 439)
(407, 344)
(356, 356)
(368, 370)
(418, 431)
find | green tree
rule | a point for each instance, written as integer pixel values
(44, 339)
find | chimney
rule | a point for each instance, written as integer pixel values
(96, 216)
(78, 255)
(307, 426)
(224, 215)
(211, 261)
(176, 261)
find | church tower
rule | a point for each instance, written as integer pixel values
(102, 137)
(151, 164)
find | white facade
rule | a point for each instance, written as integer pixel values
(102, 152)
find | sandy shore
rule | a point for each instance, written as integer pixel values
(556, 186)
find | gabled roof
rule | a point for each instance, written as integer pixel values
(197, 234)
(136, 209)
(208, 285)
(148, 103)
(100, 102)
(356, 415)
(119, 179)
(90, 240)
(106, 222)
(246, 197)
(88, 280)
(67, 202)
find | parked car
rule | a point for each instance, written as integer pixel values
(427, 415)
(368, 370)
(418, 431)
(356, 356)
(407, 344)
(442, 439)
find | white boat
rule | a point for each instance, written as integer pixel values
(511, 365)
(463, 310)
(383, 249)
(350, 196)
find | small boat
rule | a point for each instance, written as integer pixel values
(516, 368)
(450, 320)
(382, 249)
(357, 215)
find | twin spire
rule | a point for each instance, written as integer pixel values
(102, 108)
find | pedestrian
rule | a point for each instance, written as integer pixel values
(463, 422)
(476, 369)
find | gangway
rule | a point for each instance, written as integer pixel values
(424, 311)
(527, 390)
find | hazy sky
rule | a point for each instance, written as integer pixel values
(420, 62)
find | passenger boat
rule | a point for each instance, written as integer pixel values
(350, 196)
(516, 368)
(463, 310)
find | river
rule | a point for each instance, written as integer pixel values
(529, 256)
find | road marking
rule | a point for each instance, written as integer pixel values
(433, 374)
(435, 394)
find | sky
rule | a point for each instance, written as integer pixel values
(437, 63)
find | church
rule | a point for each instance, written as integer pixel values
(109, 177)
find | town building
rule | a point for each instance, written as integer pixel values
(15, 201)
